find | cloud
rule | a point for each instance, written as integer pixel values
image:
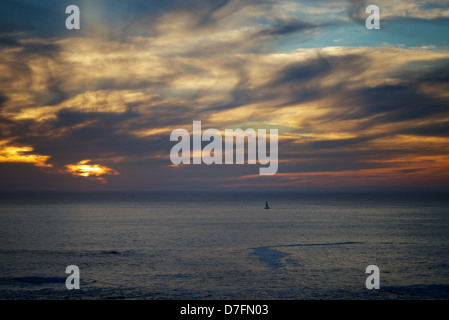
(84, 169)
(115, 91)
(356, 10)
(402, 9)
(22, 154)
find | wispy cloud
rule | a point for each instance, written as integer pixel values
(114, 91)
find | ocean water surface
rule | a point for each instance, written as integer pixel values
(224, 245)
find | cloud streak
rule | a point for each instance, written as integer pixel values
(347, 115)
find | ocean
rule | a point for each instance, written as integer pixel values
(224, 245)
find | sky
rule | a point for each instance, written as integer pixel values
(93, 108)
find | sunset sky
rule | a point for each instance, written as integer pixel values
(93, 109)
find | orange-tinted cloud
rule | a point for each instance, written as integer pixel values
(419, 171)
(83, 169)
(22, 154)
(357, 113)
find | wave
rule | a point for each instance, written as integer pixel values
(271, 256)
(34, 280)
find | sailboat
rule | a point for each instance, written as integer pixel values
(266, 205)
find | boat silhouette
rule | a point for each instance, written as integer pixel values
(266, 205)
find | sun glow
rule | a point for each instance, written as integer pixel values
(22, 155)
(83, 169)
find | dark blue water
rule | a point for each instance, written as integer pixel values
(224, 245)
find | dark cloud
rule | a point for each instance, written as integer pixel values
(438, 129)
(8, 41)
(305, 71)
(402, 102)
(51, 100)
(356, 10)
(3, 99)
(302, 82)
(48, 50)
(284, 27)
(338, 143)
